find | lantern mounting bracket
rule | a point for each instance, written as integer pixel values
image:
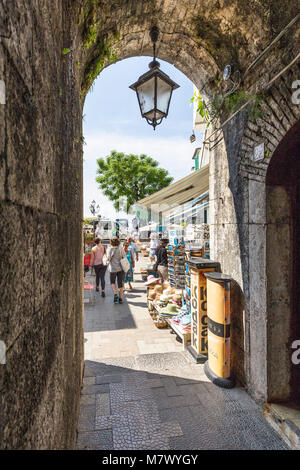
(154, 33)
(154, 89)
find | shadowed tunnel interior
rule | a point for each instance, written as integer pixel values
(284, 172)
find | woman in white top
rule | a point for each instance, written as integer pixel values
(153, 246)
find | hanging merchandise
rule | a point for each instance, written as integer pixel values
(176, 269)
(197, 241)
(187, 292)
(176, 235)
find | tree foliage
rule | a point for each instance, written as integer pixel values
(130, 176)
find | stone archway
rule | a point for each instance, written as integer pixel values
(198, 38)
(50, 53)
(282, 264)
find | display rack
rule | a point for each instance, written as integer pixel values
(176, 266)
(183, 335)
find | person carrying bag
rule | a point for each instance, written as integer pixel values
(117, 266)
(128, 278)
(98, 262)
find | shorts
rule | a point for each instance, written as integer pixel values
(152, 252)
(119, 275)
(163, 272)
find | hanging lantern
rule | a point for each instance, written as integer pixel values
(154, 89)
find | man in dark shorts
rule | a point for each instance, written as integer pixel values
(161, 264)
(114, 255)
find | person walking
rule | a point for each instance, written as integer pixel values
(114, 255)
(133, 248)
(161, 264)
(153, 245)
(98, 251)
(128, 277)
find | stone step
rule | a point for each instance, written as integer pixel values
(286, 421)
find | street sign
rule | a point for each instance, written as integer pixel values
(259, 152)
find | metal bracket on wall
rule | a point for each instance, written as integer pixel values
(268, 85)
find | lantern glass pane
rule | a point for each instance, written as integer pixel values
(146, 95)
(154, 114)
(164, 91)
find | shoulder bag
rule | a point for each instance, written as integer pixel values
(104, 258)
(109, 258)
(125, 264)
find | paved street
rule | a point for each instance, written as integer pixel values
(142, 392)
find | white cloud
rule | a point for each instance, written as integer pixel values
(173, 153)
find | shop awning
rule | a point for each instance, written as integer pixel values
(181, 192)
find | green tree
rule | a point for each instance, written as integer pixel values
(130, 176)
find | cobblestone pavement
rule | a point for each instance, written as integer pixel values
(141, 391)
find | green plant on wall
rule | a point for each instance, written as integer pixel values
(255, 111)
(90, 35)
(105, 55)
(201, 106)
(209, 111)
(231, 103)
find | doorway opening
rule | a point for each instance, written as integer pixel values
(283, 263)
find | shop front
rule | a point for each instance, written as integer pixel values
(183, 210)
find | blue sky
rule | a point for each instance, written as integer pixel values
(112, 121)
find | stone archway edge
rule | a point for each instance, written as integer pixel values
(207, 140)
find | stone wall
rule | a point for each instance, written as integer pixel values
(229, 229)
(239, 224)
(40, 230)
(50, 53)
(278, 267)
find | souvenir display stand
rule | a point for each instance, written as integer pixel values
(184, 335)
(148, 270)
(180, 302)
(166, 308)
(198, 266)
(154, 292)
(176, 270)
(197, 237)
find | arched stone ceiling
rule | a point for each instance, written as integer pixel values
(198, 37)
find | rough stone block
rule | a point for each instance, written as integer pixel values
(257, 202)
(102, 404)
(86, 420)
(96, 440)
